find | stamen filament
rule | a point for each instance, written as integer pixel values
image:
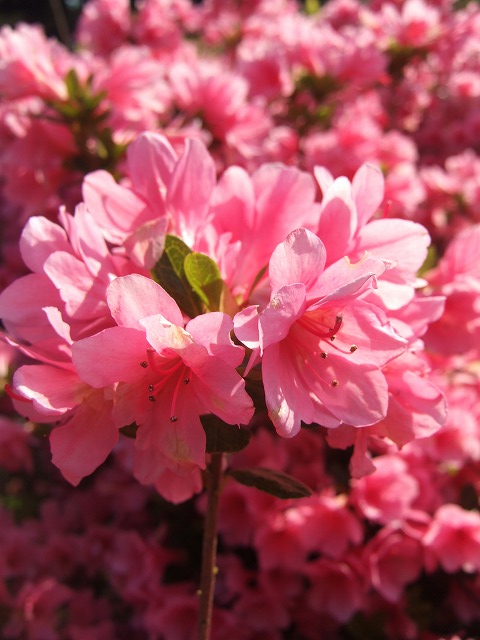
(311, 326)
(163, 370)
(180, 382)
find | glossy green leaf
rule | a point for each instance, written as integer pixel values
(204, 277)
(169, 272)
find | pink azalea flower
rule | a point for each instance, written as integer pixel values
(457, 276)
(346, 229)
(395, 560)
(31, 64)
(253, 213)
(167, 193)
(336, 588)
(72, 267)
(322, 346)
(103, 25)
(389, 493)
(165, 376)
(453, 539)
(53, 392)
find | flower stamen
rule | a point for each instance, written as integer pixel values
(308, 322)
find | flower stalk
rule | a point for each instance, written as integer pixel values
(209, 549)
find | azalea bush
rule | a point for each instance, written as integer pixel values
(240, 306)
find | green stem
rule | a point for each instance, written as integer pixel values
(209, 550)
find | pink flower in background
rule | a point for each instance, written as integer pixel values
(31, 64)
(165, 376)
(389, 493)
(395, 560)
(457, 276)
(322, 345)
(453, 539)
(336, 588)
(104, 25)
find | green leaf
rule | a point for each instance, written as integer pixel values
(204, 277)
(277, 483)
(169, 272)
(67, 110)
(222, 437)
(73, 84)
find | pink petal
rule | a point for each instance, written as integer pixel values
(190, 189)
(84, 442)
(116, 208)
(166, 337)
(145, 245)
(338, 219)
(179, 444)
(212, 330)
(247, 327)
(21, 306)
(89, 242)
(289, 401)
(368, 328)
(113, 355)
(133, 297)
(40, 237)
(174, 487)
(233, 203)
(284, 308)
(367, 191)
(284, 197)
(300, 258)
(151, 161)
(221, 390)
(344, 279)
(355, 394)
(323, 177)
(74, 282)
(53, 390)
(402, 241)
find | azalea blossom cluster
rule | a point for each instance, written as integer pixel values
(224, 225)
(117, 349)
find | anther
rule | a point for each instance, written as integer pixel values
(144, 364)
(335, 383)
(353, 348)
(186, 381)
(152, 398)
(173, 418)
(151, 387)
(324, 355)
(332, 338)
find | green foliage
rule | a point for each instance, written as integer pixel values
(169, 272)
(192, 279)
(204, 277)
(222, 437)
(85, 114)
(276, 483)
